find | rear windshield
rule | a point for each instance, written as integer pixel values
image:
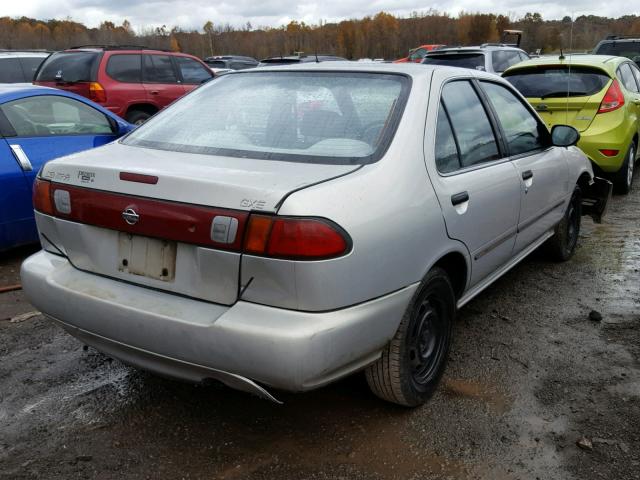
(70, 67)
(558, 81)
(319, 117)
(620, 49)
(463, 60)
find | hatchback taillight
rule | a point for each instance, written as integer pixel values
(613, 99)
(97, 93)
(295, 238)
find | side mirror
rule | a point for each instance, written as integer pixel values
(564, 136)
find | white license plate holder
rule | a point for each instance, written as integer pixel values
(147, 257)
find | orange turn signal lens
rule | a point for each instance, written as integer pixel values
(257, 236)
(42, 196)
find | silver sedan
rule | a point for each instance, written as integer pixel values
(284, 227)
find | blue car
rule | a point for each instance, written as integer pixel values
(38, 124)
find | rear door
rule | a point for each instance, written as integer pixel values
(161, 80)
(477, 186)
(543, 170)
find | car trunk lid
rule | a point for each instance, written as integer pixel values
(166, 220)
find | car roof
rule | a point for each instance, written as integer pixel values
(608, 63)
(416, 71)
(485, 47)
(18, 53)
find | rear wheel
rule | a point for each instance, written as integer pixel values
(624, 178)
(562, 245)
(413, 362)
(137, 117)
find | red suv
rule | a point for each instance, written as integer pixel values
(132, 82)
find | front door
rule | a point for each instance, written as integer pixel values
(160, 80)
(542, 169)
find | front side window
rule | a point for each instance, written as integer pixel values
(320, 117)
(192, 72)
(626, 76)
(503, 59)
(11, 71)
(158, 69)
(630, 50)
(417, 54)
(470, 124)
(522, 130)
(125, 68)
(49, 115)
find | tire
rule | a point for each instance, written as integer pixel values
(562, 245)
(413, 362)
(624, 178)
(137, 117)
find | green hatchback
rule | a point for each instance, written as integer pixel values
(599, 95)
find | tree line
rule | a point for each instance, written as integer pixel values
(380, 36)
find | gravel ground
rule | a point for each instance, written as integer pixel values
(530, 374)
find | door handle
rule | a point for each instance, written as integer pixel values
(459, 198)
(154, 92)
(526, 175)
(21, 157)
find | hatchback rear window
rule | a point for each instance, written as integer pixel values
(70, 67)
(320, 117)
(463, 60)
(558, 81)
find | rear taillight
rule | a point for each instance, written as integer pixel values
(609, 152)
(613, 99)
(97, 93)
(294, 238)
(42, 201)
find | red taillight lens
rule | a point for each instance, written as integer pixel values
(97, 93)
(295, 238)
(608, 152)
(613, 99)
(42, 196)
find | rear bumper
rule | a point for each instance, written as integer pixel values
(592, 143)
(195, 340)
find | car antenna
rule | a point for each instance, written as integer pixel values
(317, 60)
(566, 114)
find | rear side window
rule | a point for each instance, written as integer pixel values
(30, 66)
(522, 130)
(636, 74)
(51, 115)
(473, 60)
(11, 71)
(70, 67)
(159, 69)
(306, 117)
(217, 64)
(626, 76)
(240, 66)
(447, 159)
(558, 81)
(192, 71)
(503, 59)
(470, 123)
(620, 49)
(125, 68)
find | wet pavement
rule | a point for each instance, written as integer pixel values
(529, 375)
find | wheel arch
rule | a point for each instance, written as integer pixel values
(143, 107)
(456, 265)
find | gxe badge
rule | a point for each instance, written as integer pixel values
(130, 216)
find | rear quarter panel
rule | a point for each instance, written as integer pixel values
(392, 215)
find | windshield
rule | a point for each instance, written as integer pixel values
(620, 49)
(319, 117)
(556, 81)
(70, 67)
(464, 60)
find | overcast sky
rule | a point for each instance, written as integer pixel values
(194, 13)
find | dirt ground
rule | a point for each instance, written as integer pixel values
(529, 375)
